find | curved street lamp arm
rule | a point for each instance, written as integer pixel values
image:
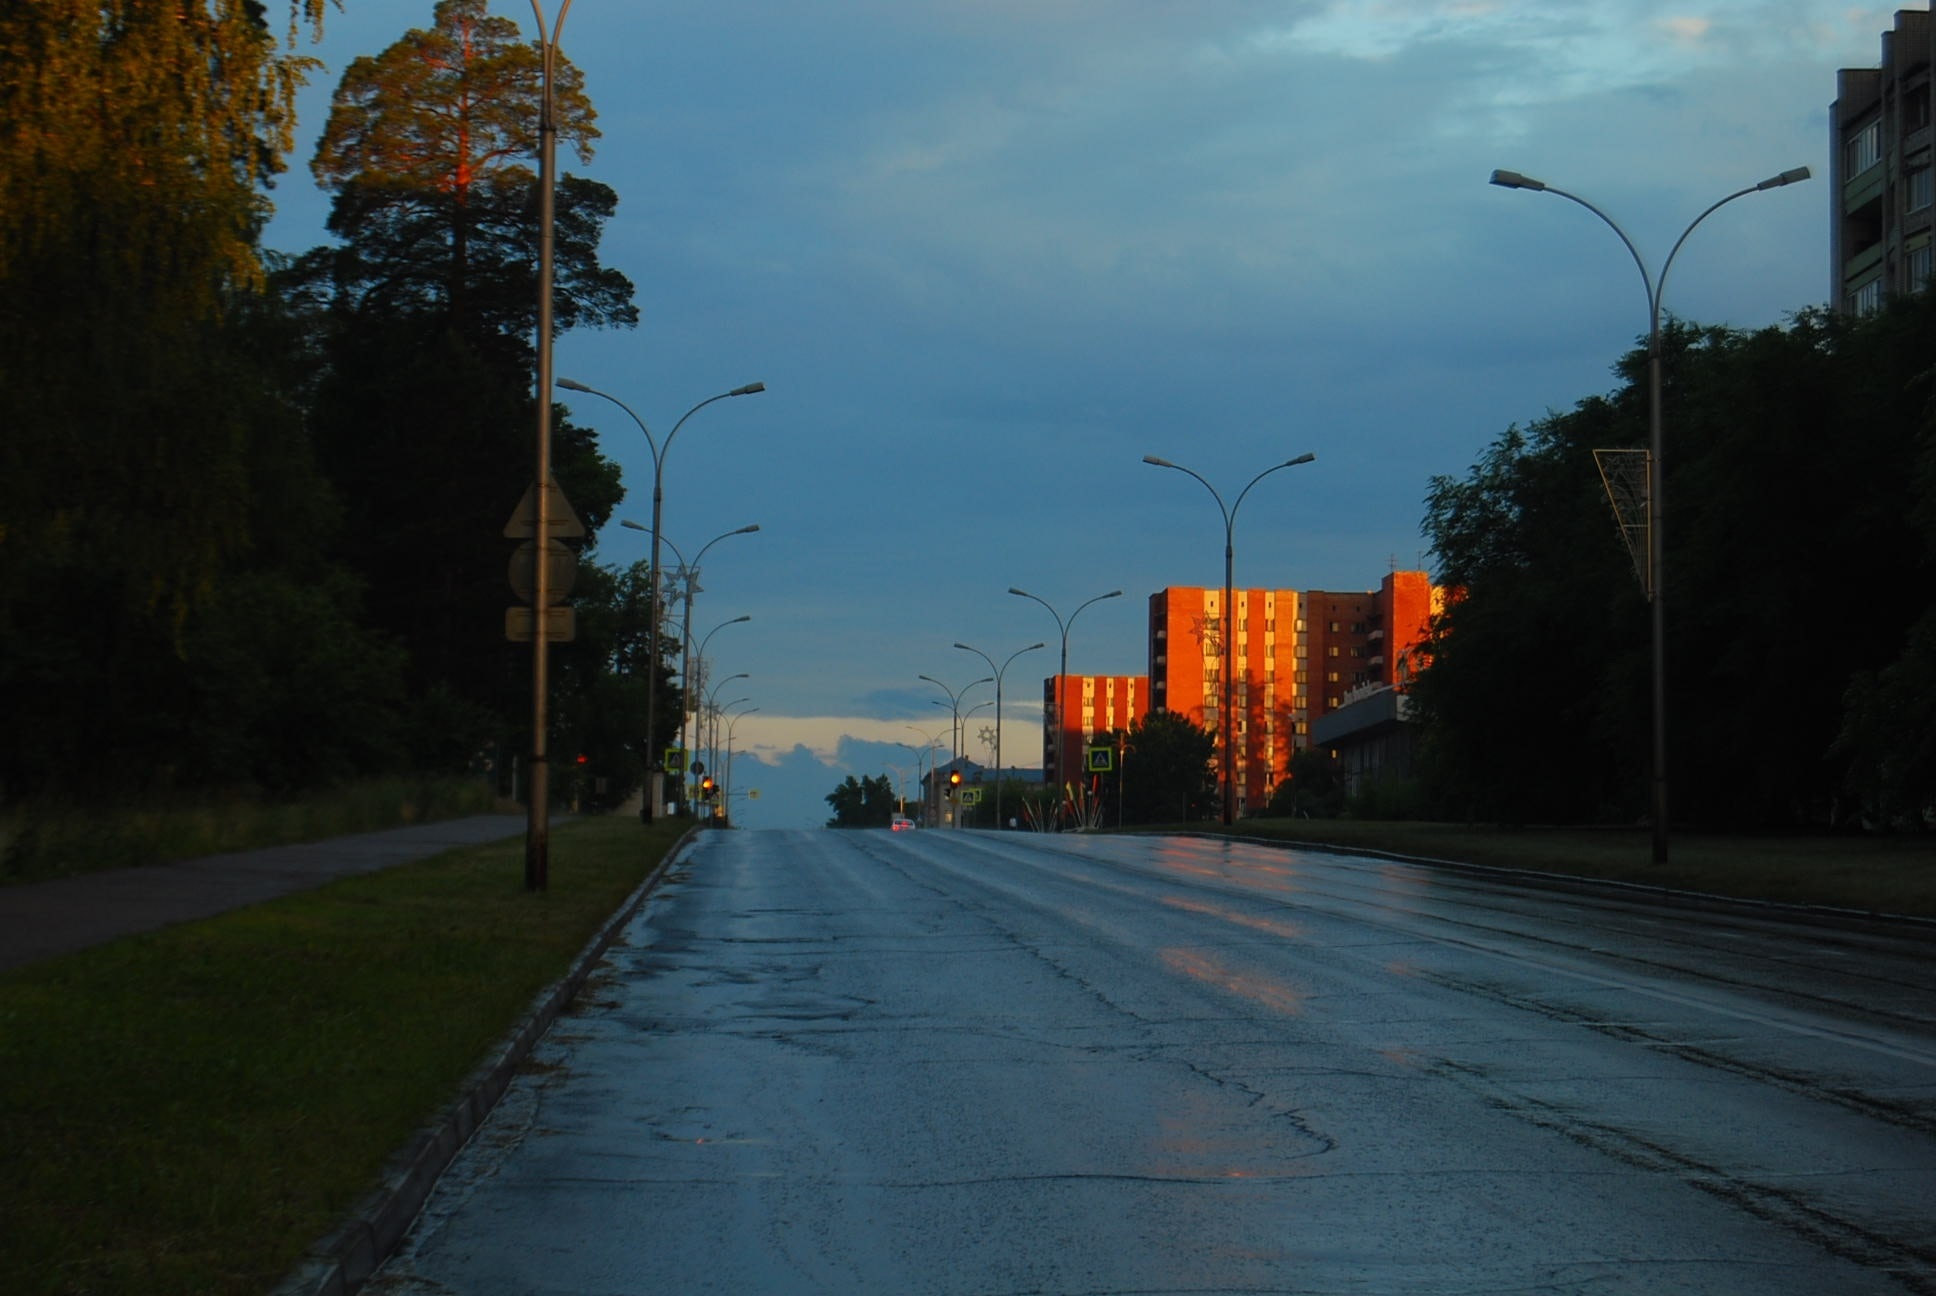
(747, 390)
(1788, 177)
(984, 656)
(745, 530)
(1060, 625)
(1288, 463)
(1017, 653)
(1099, 598)
(573, 385)
(1165, 463)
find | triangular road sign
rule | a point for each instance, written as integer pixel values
(564, 524)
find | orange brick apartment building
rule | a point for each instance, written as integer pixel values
(1297, 656)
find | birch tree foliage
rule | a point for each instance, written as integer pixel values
(136, 140)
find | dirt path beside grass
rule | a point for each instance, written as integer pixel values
(40, 920)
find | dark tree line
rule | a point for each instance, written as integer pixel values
(253, 504)
(1800, 512)
(865, 802)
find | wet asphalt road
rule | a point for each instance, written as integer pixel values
(966, 1063)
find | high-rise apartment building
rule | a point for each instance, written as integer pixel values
(1266, 682)
(1077, 706)
(1295, 657)
(1879, 171)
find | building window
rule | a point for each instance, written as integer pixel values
(1865, 147)
(1867, 299)
(1916, 188)
(1299, 624)
(1332, 651)
(1330, 677)
(1915, 110)
(1919, 267)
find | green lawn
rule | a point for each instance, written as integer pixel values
(188, 1111)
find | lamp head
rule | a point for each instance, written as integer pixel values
(747, 530)
(748, 389)
(630, 525)
(1304, 458)
(1023, 593)
(572, 384)
(1114, 594)
(1788, 177)
(1514, 180)
(1160, 463)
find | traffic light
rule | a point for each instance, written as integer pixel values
(706, 788)
(954, 781)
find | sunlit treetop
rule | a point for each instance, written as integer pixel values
(160, 122)
(445, 109)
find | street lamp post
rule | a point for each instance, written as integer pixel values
(999, 672)
(659, 453)
(537, 839)
(718, 714)
(930, 792)
(1055, 700)
(1656, 548)
(691, 584)
(1226, 730)
(954, 709)
(726, 786)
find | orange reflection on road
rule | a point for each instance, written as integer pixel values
(1198, 966)
(1275, 926)
(1264, 875)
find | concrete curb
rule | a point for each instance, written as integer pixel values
(342, 1262)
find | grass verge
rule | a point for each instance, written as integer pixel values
(46, 841)
(1882, 874)
(187, 1111)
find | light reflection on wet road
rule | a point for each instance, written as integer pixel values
(968, 1063)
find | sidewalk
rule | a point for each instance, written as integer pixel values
(39, 920)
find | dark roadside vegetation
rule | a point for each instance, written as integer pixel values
(1864, 873)
(188, 1111)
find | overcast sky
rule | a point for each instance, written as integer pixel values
(987, 254)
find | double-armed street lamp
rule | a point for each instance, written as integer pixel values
(1226, 728)
(659, 453)
(1055, 701)
(954, 709)
(999, 672)
(1651, 578)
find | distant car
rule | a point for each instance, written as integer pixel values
(902, 823)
